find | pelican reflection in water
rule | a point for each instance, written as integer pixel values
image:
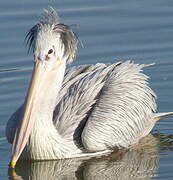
(82, 111)
(141, 162)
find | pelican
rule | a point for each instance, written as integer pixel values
(82, 111)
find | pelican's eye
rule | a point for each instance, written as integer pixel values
(50, 51)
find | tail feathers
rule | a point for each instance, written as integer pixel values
(159, 115)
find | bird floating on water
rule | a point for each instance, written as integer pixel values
(83, 111)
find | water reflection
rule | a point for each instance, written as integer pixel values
(140, 162)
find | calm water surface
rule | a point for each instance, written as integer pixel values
(110, 30)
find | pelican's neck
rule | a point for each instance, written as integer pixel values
(50, 90)
(44, 136)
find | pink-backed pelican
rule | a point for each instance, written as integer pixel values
(82, 111)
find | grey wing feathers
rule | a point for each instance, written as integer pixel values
(124, 111)
(74, 107)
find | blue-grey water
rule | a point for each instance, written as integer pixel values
(110, 30)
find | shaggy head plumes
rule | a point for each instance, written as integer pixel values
(52, 37)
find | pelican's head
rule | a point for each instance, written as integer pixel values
(54, 45)
(52, 40)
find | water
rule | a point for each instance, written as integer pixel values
(110, 31)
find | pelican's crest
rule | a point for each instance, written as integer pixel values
(50, 22)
